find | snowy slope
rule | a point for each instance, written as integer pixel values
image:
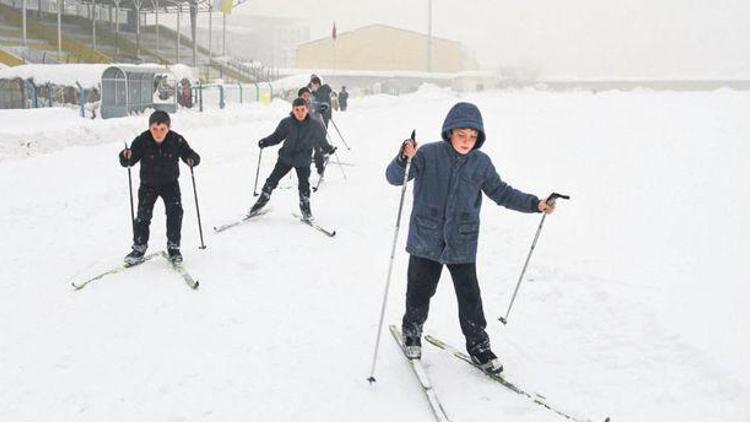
(633, 307)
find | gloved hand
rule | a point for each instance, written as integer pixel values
(332, 150)
(323, 107)
(261, 144)
(408, 149)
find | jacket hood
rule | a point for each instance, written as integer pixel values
(464, 115)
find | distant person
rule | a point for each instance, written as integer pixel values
(321, 98)
(300, 134)
(185, 94)
(305, 94)
(93, 102)
(343, 98)
(158, 149)
(312, 76)
(319, 158)
(334, 101)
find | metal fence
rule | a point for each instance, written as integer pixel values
(211, 96)
(20, 93)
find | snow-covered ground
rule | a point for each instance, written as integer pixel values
(634, 305)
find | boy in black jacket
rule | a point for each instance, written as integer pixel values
(300, 133)
(158, 150)
(321, 98)
(315, 113)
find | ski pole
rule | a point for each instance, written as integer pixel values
(317, 185)
(551, 201)
(371, 379)
(130, 187)
(340, 135)
(197, 209)
(338, 161)
(257, 173)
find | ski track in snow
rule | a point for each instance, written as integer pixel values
(607, 323)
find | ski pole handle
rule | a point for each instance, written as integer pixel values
(554, 196)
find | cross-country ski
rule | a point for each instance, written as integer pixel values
(424, 381)
(81, 284)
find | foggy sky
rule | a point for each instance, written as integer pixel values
(556, 38)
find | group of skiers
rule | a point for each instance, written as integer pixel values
(449, 177)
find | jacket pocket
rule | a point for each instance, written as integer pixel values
(425, 236)
(426, 223)
(468, 229)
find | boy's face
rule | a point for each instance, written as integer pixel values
(159, 132)
(300, 112)
(306, 96)
(314, 87)
(463, 140)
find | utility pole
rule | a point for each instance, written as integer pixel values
(60, 6)
(429, 35)
(25, 41)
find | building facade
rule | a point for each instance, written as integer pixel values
(382, 47)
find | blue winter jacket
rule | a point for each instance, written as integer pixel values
(448, 186)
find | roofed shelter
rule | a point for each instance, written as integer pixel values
(130, 89)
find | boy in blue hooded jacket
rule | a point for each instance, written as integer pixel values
(449, 178)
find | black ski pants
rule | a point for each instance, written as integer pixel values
(147, 195)
(281, 170)
(422, 280)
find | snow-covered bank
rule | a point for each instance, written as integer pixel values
(87, 75)
(633, 305)
(25, 133)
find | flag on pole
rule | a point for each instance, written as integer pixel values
(224, 6)
(333, 32)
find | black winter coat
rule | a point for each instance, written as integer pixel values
(323, 96)
(299, 140)
(343, 99)
(159, 164)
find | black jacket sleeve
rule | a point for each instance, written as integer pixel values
(277, 136)
(136, 149)
(320, 140)
(186, 152)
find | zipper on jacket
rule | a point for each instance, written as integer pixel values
(449, 207)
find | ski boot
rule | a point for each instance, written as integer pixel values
(412, 347)
(262, 201)
(135, 256)
(486, 360)
(173, 254)
(304, 207)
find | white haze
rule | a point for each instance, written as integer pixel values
(657, 39)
